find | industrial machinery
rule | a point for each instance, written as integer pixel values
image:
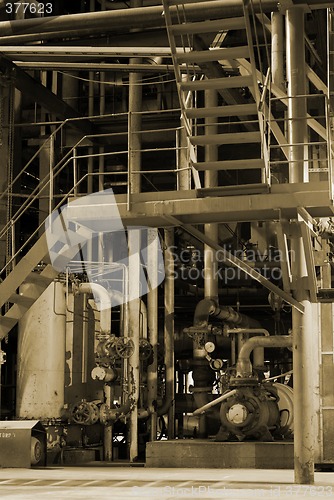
(166, 226)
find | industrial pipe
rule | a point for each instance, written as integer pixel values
(113, 20)
(103, 302)
(258, 356)
(244, 365)
(209, 307)
(209, 405)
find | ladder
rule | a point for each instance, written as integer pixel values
(201, 63)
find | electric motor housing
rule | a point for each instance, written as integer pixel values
(252, 413)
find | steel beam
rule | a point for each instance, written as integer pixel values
(231, 259)
(28, 85)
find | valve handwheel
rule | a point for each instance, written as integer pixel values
(125, 347)
(145, 349)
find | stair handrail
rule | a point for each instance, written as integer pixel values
(257, 97)
(43, 184)
(63, 162)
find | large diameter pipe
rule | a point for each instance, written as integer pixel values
(209, 307)
(102, 301)
(244, 365)
(169, 328)
(152, 304)
(113, 20)
(302, 324)
(258, 356)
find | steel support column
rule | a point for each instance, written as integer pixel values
(152, 303)
(302, 324)
(169, 328)
(134, 334)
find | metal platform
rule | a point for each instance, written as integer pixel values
(199, 453)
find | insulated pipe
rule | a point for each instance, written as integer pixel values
(134, 238)
(169, 328)
(103, 302)
(209, 307)
(113, 20)
(302, 324)
(152, 318)
(209, 405)
(244, 365)
(258, 356)
(277, 50)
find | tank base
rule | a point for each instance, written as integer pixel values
(198, 453)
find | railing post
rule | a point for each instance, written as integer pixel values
(75, 172)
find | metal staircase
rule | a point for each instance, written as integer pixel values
(211, 66)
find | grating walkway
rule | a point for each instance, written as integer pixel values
(158, 484)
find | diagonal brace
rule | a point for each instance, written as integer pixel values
(234, 261)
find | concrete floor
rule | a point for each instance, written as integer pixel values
(158, 484)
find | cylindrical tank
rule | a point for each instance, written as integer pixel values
(41, 354)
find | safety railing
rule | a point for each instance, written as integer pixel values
(316, 153)
(72, 168)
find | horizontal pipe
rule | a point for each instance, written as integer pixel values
(209, 405)
(244, 365)
(113, 20)
(152, 16)
(209, 307)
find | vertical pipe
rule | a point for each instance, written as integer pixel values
(211, 180)
(134, 181)
(184, 176)
(152, 303)
(302, 324)
(135, 107)
(107, 432)
(277, 49)
(134, 333)
(169, 329)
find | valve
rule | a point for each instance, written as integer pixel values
(145, 349)
(2, 357)
(85, 413)
(125, 347)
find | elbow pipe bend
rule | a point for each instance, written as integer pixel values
(103, 303)
(244, 366)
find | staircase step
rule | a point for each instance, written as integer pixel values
(242, 189)
(234, 23)
(42, 279)
(232, 110)
(231, 138)
(179, 3)
(22, 269)
(230, 164)
(21, 300)
(8, 323)
(218, 83)
(198, 56)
